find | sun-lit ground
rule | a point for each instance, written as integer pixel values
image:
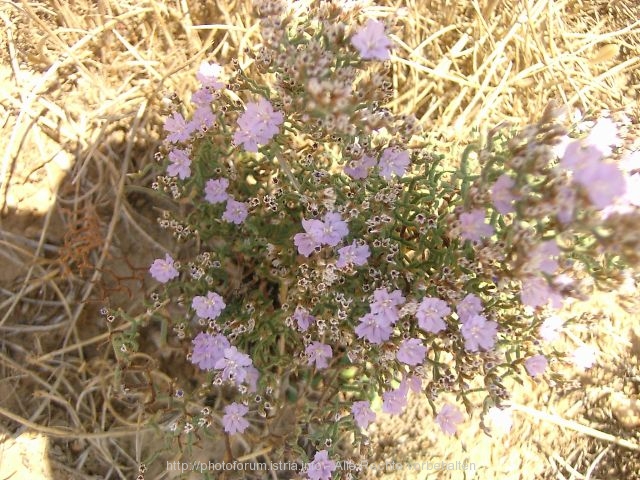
(81, 113)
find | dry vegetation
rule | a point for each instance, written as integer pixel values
(81, 113)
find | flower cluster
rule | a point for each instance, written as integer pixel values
(330, 289)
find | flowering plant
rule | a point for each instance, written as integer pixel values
(333, 262)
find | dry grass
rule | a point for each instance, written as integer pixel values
(81, 108)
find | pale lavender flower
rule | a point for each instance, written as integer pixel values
(310, 240)
(233, 420)
(322, 467)
(502, 195)
(215, 191)
(208, 75)
(333, 230)
(257, 125)
(203, 118)
(363, 414)
(208, 307)
(578, 154)
(473, 226)
(303, 318)
(603, 136)
(371, 41)
(180, 165)
(374, 328)
(536, 292)
(566, 204)
(479, 333)
(393, 161)
(413, 383)
(448, 418)
(584, 357)
(353, 255)
(603, 182)
(411, 351)
(177, 127)
(236, 212)
(319, 353)
(430, 313)
(551, 328)
(208, 350)
(542, 258)
(386, 304)
(233, 365)
(202, 97)
(360, 170)
(394, 401)
(163, 270)
(468, 307)
(536, 365)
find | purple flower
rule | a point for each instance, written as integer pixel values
(202, 97)
(413, 383)
(430, 313)
(603, 182)
(393, 161)
(257, 125)
(353, 255)
(577, 155)
(303, 318)
(541, 258)
(473, 226)
(371, 41)
(177, 127)
(536, 365)
(208, 350)
(603, 136)
(551, 328)
(319, 353)
(233, 419)
(468, 307)
(360, 169)
(448, 418)
(321, 468)
(333, 230)
(374, 328)
(395, 401)
(306, 243)
(163, 270)
(363, 414)
(180, 165)
(215, 191)
(501, 194)
(203, 118)
(208, 74)
(478, 332)
(386, 304)
(233, 365)
(329, 232)
(411, 352)
(208, 307)
(536, 292)
(566, 204)
(236, 212)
